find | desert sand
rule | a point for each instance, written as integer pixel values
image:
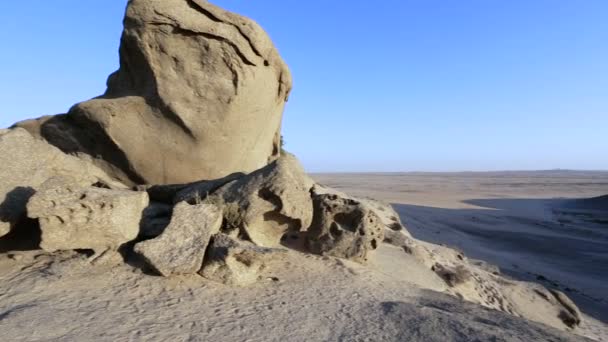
(548, 227)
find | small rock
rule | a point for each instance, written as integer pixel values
(343, 228)
(181, 247)
(236, 263)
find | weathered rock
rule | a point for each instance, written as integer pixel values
(236, 263)
(181, 247)
(267, 203)
(343, 228)
(385, 212)
(203, 88)
(26, 164)
(72, 217)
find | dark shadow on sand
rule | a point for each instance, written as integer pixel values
(560, 243)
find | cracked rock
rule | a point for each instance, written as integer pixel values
(181, 247)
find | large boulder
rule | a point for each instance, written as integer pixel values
(26, 163)
(266, 204)
(204, 89)
(181, 247)
(344, 228)
(73, 217)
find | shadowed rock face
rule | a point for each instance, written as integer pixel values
(199, 95)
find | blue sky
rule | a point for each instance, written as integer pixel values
(392, 85)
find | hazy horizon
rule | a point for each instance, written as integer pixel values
(396, 86)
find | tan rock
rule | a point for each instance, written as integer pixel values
(268, 203)
(73, 217)
(237, 263)
(203, 88)
(26, 164)
(344, 228)
(181, 247)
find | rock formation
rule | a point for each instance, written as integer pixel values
(26, 164)
(344, 228)
(181, 247)
(203, 88)
(73, 217)
(180, 162)
(236, 262)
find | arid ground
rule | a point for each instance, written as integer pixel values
(545, 226)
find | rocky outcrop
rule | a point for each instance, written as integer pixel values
(203, 88)
(343, 228)
(268, 203)
(26, 163)
(181, 247)
(477, 282)
(237, 263)
(72, 217)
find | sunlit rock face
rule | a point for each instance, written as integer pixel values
(199, 95)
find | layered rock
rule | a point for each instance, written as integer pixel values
(181, 247)
(73, 217)
(203, 88)
(26, 163)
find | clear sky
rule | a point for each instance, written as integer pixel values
(392, 85)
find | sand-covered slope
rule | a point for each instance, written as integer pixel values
(306, 298)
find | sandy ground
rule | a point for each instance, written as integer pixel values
(63, 297)
(533, 225)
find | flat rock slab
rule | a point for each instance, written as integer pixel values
(72, 217)
(180, 249)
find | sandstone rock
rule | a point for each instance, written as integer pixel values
(268, 203)
(26, 164)
(73, 217)
(181, 247)
(385, 212)
(343, 228)
(236, 263)
(203, 88)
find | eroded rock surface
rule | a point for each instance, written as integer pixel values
(203, 88)
(181, 247)
(268, 203)
(73, 217)
(237, 263)
(343, 228)
(26, 163)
